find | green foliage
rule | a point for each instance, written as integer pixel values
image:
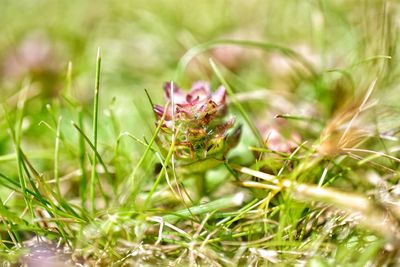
(90, 175)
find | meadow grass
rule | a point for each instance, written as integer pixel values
(86, 179)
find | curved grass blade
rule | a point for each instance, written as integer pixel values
(193, 52)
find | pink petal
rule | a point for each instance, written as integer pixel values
(200, 92)
(201, 85)
(219, 96)
(159, 110)
(178, 94)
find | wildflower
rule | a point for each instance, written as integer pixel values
(277, 137)
(37, 57)
(197, 117)
(276, 141)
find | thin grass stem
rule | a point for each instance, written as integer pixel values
(95, 118)
(57, 157)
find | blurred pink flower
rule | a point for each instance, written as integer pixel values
(276, 141)
(35, 55)
(278, 136)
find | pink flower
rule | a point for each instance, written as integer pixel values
(199, 116)
(198, 106)
(276, 141)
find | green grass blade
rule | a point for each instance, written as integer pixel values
(95, 118)
(193, 52)
(237, 103)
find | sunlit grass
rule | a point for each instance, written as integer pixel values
(86, 179)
